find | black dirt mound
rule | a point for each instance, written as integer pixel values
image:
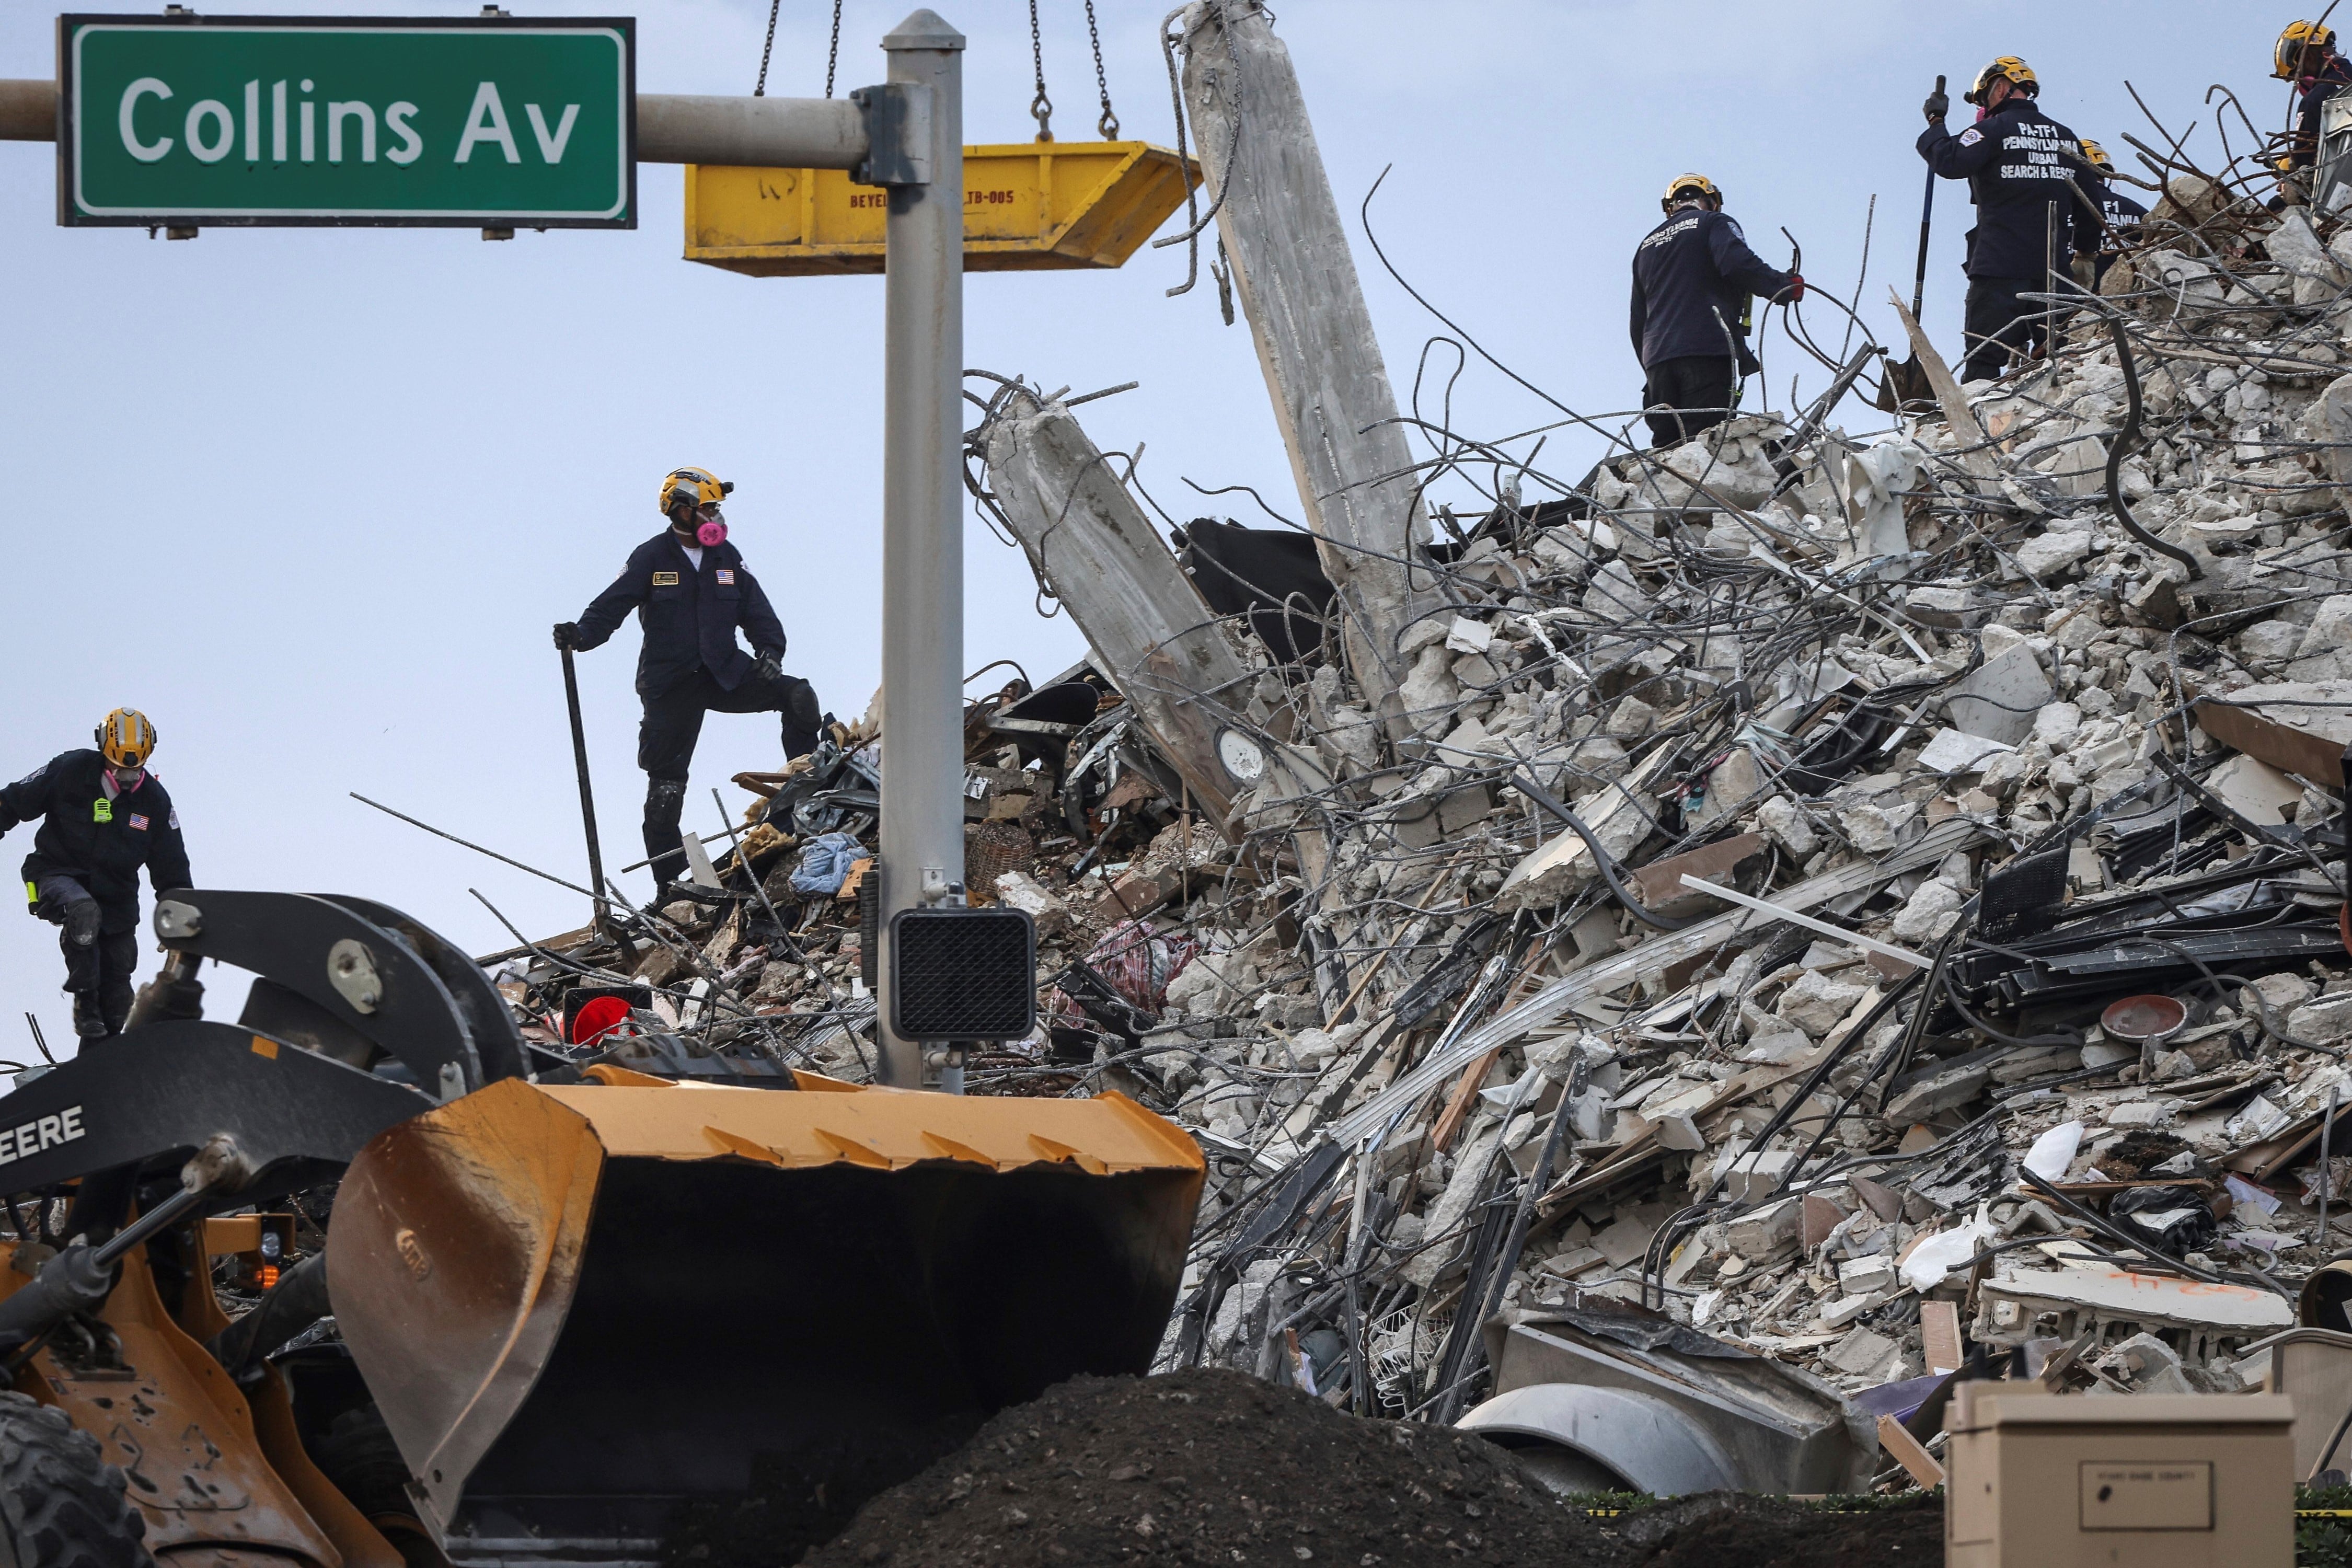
(1213, 1467)
(1722, 1530)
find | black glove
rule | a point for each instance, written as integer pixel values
(567, 636)
(1937, 106)
(769, 668)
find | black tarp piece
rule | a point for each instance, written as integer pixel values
(1270, 573)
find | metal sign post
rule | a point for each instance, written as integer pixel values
(922, 493)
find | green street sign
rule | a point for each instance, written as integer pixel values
(317, 120)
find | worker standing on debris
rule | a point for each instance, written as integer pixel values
(2031, 216)
(2119, 215)
(1694, 277)
(104, 815)
(2306, 55)
(691, 590)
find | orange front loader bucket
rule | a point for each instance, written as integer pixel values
(581, 1306)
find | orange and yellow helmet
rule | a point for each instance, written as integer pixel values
(1681, 183)
(698, 487)
(126, 739)
(2008, 67)
(2299, 37)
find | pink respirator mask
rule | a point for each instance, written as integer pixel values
(711, 530)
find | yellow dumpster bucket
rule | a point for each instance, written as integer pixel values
(1028, 206)
(581, 1308)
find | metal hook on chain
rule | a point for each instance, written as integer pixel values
(1041, 106)
(1108, 126)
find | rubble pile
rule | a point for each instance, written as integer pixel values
(1211, 1466)
(1874, 899)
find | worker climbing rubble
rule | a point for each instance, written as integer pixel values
(2306, 55)
(1694, 280)
(2035, 228)
(691, 591)
(2118, 214)
(1915, 760)
(104, 815)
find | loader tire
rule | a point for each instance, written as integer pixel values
(61, 1504)
(359, 1455)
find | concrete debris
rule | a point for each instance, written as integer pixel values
(1456, 1061)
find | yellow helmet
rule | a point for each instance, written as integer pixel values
(2098, 156)
(1682, 182)
(2299, 37)
(697, 486)
(2007, 67)
(126, 739)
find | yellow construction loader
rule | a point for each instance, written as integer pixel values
(362, 1279)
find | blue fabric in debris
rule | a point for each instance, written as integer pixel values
(825, 864)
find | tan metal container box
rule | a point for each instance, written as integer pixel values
(2314, 1368)
(2041, 1480)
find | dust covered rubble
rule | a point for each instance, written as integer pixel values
(1985, 749)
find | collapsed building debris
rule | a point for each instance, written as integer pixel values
(1871, 906)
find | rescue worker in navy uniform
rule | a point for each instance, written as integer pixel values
(691, 590)
(2306, 55)
(2021, 168)
(1693, 278)
(2119, 215)
(104, 815)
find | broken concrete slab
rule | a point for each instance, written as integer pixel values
(2001, 699)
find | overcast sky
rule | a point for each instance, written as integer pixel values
(310, 498)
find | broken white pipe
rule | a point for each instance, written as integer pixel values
(1791, 916)
(672, 128)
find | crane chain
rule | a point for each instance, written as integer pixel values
(1040, 106)
(1108, 126)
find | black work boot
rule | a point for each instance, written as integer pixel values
(90, 1019)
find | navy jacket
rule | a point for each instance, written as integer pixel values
(689, 616)
(98, 839)
(2017, 160)
(2320, 89)
(1692, 278)
(2117, 215)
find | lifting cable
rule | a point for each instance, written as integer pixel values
(833, 51)
(831, 58)
(1108, 126)
(1041, 106)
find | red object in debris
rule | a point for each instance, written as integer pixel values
(598, 1017)
(2142, 1018)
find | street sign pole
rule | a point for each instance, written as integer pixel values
(922, 536)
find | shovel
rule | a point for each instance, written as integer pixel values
(1906, 385)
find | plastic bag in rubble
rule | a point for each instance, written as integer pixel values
(2054, 1151)
(1947, 1251)
(825, 864)
(2176, 1218)
(1138, 961)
